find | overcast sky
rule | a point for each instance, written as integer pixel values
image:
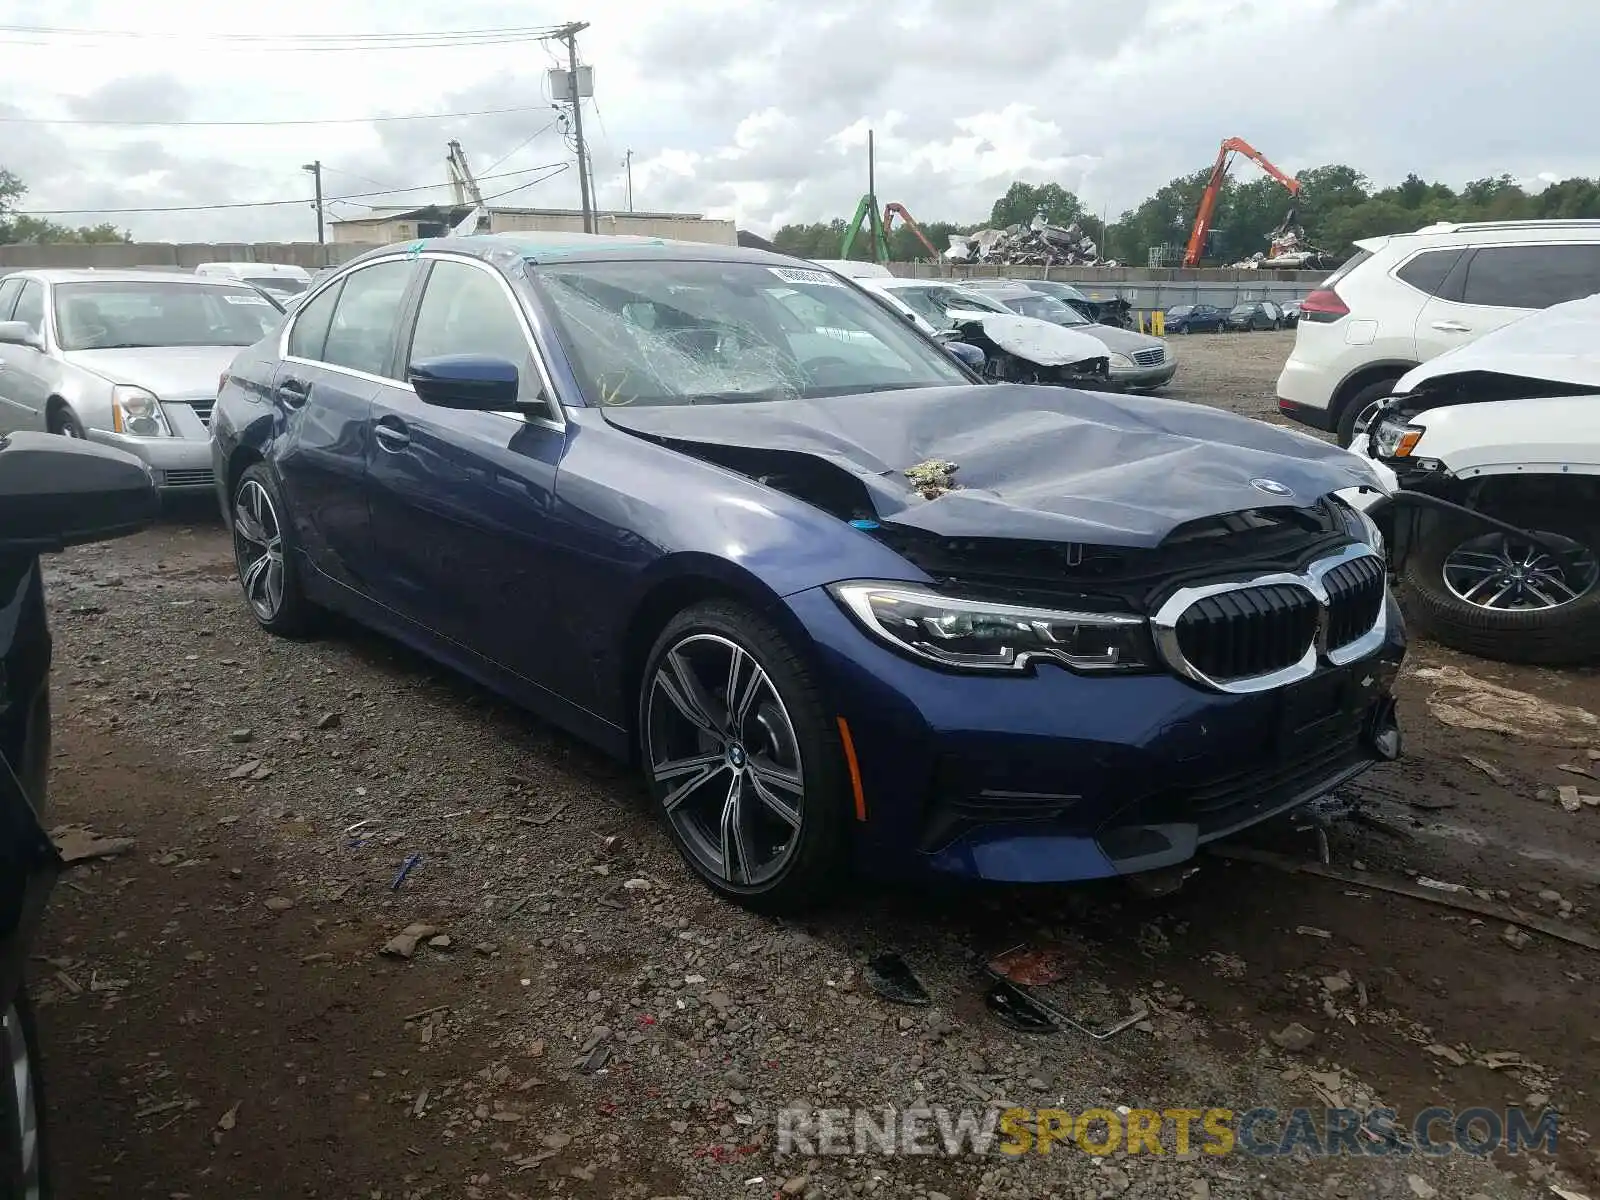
(758, 109)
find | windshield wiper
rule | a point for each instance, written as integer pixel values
(124, 346)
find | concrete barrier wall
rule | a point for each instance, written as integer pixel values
(1147, 289)
(182, 256)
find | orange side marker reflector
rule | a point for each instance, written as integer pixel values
(854, 768)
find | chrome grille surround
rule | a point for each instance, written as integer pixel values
(1168, 624)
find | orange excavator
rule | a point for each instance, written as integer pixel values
(1208, 198)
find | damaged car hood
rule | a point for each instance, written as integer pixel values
(1559, 344)
(1031, 462)
(1035, 340)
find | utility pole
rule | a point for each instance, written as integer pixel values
(569, 35)
(316, 174)
(627, 164)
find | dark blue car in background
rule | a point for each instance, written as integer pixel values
(719, 512)
(1196, 318)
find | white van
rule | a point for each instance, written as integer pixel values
(281, 279)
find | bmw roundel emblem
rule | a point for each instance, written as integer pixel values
(1271, 487)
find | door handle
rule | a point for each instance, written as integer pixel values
(1452, 327)
(293, 392)
(391, 435)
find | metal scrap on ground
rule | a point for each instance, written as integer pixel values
(1036, 244)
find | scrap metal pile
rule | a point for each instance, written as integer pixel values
(1287, 250)
(1037, 244)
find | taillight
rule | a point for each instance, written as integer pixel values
(1323, 306)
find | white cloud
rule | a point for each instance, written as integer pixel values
(759, 109)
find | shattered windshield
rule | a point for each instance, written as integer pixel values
(1046, 308)
(661, 332)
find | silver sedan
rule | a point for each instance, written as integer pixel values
(131, 359)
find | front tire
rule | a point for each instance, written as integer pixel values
(63, 422)
(1499, 597)
(263, 554)
(743, 759)
(24, 1173)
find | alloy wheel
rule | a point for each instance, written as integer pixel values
(258, 549)
(1363, 420)
(24, 1098)
(724, 758)
(1505, 573)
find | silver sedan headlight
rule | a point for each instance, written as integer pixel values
(1121, 362)
(137, 412)
(953, 631)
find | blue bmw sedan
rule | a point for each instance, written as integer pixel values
(720, 513)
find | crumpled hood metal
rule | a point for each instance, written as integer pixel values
(1035, 462)
(1035, 340)
(1559, 344)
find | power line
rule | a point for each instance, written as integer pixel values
(436, 116)
(169, 208)
(521, 145)
(40, 35)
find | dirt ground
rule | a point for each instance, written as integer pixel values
(584, 1020)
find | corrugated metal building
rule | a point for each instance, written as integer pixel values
(384, 225)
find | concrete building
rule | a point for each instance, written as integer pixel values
(384, 225)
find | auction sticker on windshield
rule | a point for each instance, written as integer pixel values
(245, 299)
(798, 275)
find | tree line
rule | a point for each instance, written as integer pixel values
(17, 227)
(1337, 206)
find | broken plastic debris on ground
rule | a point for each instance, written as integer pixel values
(1465, 702)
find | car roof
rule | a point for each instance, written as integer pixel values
(584, 247)
(92, 275)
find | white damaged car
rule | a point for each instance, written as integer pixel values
(1016, 349)
(1492, 452)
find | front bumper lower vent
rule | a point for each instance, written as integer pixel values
(1256, 634)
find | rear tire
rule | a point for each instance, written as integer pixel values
(757, 801)
(1449, 551)
(24, 1167)
(1358, 411)
(265, 556)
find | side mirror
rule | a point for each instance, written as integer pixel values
(57, 492)
(966, 352)
(470, 382)
(20, 333)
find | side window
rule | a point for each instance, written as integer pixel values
(1428, 270)
(310, 330)
(30, 306)
(464, 310)
(361, 334)
(1532, 276)
(8, 297)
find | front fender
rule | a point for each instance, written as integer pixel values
(1558, 435)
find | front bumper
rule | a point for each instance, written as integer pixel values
(179, 464)
(1144, 378)
(1056, 777)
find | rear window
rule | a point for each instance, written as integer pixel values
(1428, 270)
(1349, 264)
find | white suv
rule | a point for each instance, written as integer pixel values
(1405, 299)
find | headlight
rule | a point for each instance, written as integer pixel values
(976, 634)
(1122, 361)
(1360, 526)
(136, 411)
(1395, 440)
